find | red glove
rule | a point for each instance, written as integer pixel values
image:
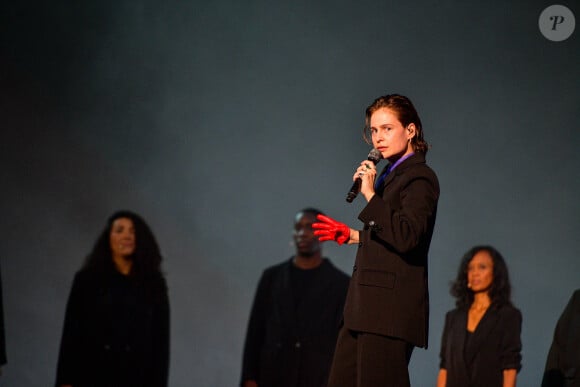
(331, 230)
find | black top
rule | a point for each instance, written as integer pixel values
(478, 359)
(116, 331)
(293, 325)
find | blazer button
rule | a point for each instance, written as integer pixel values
(107, 347)
(360, 244)
(372, 223)
(354, 268)
(298, 345)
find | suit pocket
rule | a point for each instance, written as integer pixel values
(378, 278)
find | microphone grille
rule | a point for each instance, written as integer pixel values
(374, 155)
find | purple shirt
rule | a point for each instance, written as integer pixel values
(381, 178)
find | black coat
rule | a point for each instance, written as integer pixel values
(388, 293)
(292, 345)
(563, 362)
(115, 332)
(494, 346)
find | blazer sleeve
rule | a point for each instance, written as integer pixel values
(403, 225)
(443, 351)
(70, 345)
(161, 329)
(256, 329)
(561, 361)
(511, 345)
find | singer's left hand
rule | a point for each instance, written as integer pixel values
(367, 173)
(329, 229)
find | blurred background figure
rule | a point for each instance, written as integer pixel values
(116, 327)
(563, 363)
(295, 316)
(480, 345)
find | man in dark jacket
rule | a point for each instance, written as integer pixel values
(563, 363)
(295, 316)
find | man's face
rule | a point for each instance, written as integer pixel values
(306, 242)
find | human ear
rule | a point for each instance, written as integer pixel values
(411, 131)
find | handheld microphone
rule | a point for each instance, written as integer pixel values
(374, 156)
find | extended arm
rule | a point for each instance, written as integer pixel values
(509, 377)
(442, 378)
(255, 333)
(328, 229)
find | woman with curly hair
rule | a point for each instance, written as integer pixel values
(116, 328)
(481, 343)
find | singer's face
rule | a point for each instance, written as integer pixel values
(389, 135)
(306, 242)
(480, 272)
(122, 238)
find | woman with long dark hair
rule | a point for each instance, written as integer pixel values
(481, 343)
(116, 328)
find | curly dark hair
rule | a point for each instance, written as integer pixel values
(146, 258)
(406, 113)
(500, 291)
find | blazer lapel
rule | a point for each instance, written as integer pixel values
(461, 335)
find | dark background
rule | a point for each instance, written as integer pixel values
(218, 120)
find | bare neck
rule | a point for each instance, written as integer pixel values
(481, 300)
(123, 264)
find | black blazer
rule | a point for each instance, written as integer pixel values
(388, 292)
(115, 332)
(493, 347)
(563, 362)
(288, 344)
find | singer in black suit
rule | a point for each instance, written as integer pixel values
(481, 345)
(387, 308)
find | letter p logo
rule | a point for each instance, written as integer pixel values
(557, 20)
(557, 23)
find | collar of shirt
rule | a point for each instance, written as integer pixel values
(381, 178)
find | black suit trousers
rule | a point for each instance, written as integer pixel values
(369, 360)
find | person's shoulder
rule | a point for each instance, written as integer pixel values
(417, 166)
(277, 267)
(334, 270)
(159, 280)
(455, 318)
(86, 280)
(510, 311)
(88, 275)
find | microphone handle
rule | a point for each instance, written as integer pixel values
(354, 190)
